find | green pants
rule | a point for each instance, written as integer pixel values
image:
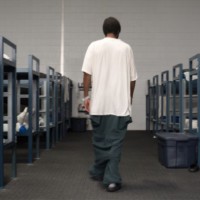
(108, 135)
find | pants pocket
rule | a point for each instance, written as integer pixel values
(95, 120)
(124, 121)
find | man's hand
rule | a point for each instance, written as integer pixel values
(132, 88)
(87, 105)
(86, 85)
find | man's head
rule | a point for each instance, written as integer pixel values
(111, 25)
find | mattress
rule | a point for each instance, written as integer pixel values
(194, 123)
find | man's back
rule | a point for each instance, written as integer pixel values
(110, 62)
(111, 56)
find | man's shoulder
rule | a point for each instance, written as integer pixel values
(125, 44)
(94, 44)
(117, 42)
(97, 42)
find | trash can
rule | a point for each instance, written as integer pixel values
(78, 124)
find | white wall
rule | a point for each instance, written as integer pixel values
(162, 33)
(34, 26)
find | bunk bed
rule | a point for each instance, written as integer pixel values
(28, 104)
(47, 106)
(194, 93)
(177, 119)
(59, 101)
(7, 105)
(65, 99)
(179, 100)
(165, 101)
(155, 103)
(148, 107)
(67, 114)
(62, 113)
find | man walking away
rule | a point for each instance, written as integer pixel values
(109, 66)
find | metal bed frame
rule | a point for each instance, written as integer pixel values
(8, 73)
(28, 79)
(178, 111)
(148, 107)
(165, 101)
(47, 105)
(59, 101)
(67, 114)
(195, 71)
(155, 103)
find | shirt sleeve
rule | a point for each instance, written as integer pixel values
(133, 70)
(88, 60)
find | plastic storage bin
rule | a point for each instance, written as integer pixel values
(78, 124)
(177, 150)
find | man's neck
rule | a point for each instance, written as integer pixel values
(111, 35)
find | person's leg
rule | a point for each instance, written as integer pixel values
(100, 151)
(108, 134)
(115, 137)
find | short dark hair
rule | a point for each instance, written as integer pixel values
(111, 25)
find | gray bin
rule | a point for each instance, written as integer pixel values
(177, 150)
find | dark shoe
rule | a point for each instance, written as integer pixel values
(194, 168)
(113, 187)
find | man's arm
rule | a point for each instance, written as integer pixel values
(86, 85)
(132, 89)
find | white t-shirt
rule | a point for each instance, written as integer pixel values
(111, 64)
